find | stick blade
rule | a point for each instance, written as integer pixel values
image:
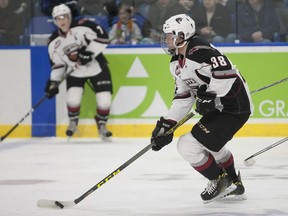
(249, 162)
(54, 204)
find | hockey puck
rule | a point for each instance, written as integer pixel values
(249, 162)
(59, 204)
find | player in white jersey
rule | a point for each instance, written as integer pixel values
(204, 76)
(79, 45)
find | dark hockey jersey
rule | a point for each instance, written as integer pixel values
(203, 64)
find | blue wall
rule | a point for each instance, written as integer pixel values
(44, 117)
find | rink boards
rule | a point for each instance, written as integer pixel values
(142, 93)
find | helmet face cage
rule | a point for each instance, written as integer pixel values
(165, 46)
(182, 27)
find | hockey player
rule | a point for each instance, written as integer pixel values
(80, 43)
(203, 75)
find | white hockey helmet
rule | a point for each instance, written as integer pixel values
(62, 10)
(182, 27)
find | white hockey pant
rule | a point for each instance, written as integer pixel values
(196, 154)
(103, 100)
(74, 96)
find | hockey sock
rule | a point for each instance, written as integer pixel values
(102, 116)
(209, 169)
(73, 112)
(229, 167)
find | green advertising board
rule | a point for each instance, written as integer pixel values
(143, 88)
(259, 70)
(262, 69)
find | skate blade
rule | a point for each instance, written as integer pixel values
(106, 139)
(228, 190)
(76, 132)
(233, 197)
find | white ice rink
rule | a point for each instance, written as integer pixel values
(156, 184)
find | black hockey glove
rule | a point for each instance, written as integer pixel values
(84, 57)
(158, 139)
(51, 88)
(205, 102)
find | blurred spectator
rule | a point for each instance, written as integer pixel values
(213, 22)
(92, 7)
(190, 6)
(258, 21)
(231, 5)
(12, 16)
(47, 6)
(111, 8)
(143, 6)
(125, 31)
(282, 12)
(36, 9)
(159, 12)
(143, 23)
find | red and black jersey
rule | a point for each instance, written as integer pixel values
(204, 64)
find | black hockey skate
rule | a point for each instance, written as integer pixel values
(238, 193)
(217, 188)
(72, 128)
(104, 133)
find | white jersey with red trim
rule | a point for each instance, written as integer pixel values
(63, 49)
(203, 64)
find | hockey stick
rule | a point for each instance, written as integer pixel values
(268, 86)
(55, 204)
(23, 118)
(250, 161)
(34, 107)
(90, 85)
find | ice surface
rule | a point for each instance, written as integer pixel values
(156, 184)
